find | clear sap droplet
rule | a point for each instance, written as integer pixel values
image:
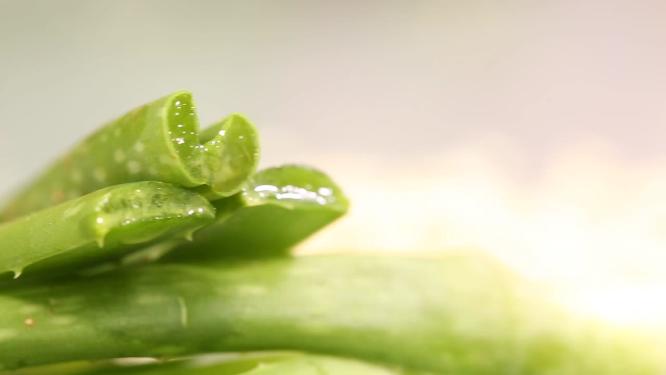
(325, 191)
(307, 193)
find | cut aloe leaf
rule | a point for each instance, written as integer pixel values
(158, 141)
(277, 208)
(455, 315)
(100, 225)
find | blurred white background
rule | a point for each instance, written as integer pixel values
(529, 130)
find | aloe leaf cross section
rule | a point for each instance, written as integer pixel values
(276, 209)
(159, 141)
(104, 224)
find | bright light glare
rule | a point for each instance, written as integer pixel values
(587, 225)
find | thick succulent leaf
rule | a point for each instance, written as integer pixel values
(158, 141)
(101, 225)
(224, 364)
(276, 209)
(457, 315)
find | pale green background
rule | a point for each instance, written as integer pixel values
(393, 79)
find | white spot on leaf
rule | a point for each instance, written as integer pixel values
(99, 174)
(76, 176)
(119, 156)
(133, 166)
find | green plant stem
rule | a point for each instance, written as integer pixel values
(158, 141)
(410, 312)
(276, 208)
(100, 225)
(272, 363)
(455, 315)
(452, 315)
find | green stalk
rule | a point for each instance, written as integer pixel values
(456, 315)
(223, 364)
(276, 208)
(107, 223)
(157, 141)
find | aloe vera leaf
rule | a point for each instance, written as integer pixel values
(158, 141)
(320, 304)
(222, 364)
(276, 208)
(317, 365)
(103, 224)
(453, 315)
